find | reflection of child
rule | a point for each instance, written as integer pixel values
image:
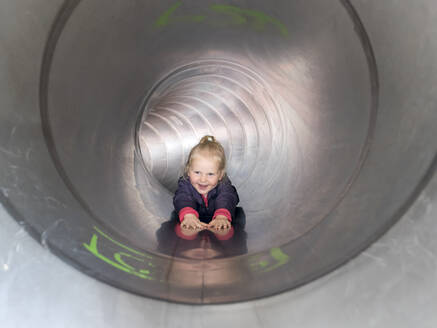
(205, 194)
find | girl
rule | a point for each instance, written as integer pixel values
(205, 197)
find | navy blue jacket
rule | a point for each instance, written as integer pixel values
(224, 195)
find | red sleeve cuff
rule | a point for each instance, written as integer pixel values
(183, 234)
(185, 211)
(227, 236)
(224, 212)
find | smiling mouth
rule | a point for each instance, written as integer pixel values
(203, 186)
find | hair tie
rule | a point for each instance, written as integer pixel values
(210, 138)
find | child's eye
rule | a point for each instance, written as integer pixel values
(196, 172)
(211, 174)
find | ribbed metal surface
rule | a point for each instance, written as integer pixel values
(214, 97)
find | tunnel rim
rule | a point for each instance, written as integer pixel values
(416, 191)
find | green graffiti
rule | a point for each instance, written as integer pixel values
(280, 257)
(235, 16)
(265, 265)
(119, 262)
(120, 244)
(164, 19)
(242, 16)
(167, 17)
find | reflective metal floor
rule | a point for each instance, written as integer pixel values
(392, 284)
(327, 112)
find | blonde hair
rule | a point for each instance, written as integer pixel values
(208, 147)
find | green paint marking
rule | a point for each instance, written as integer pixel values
(150, 264)
(236, 15)
(193, 18)
(121, 245)
(118, 257)
(263, 264)
(167, 17)
(146, 272)
(92, 248)
(164, 19)
(239, 16)
(279, 256)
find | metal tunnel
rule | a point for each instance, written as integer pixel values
(326, 110)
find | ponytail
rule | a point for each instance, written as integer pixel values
(206, 139)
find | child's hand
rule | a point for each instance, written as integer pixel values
(220, 222)
(192, 222)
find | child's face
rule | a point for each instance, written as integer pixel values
(204, 174)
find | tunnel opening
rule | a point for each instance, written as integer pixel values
(280, 126)
(265, 101)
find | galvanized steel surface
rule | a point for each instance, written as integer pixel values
(327, 119)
